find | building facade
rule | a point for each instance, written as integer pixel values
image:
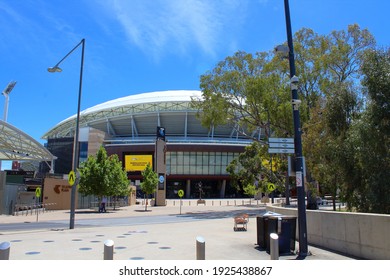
(196, 157)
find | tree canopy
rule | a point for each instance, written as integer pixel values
(103, 175)
(344, 88)
(367, 147)
(254, 169)
(149, 182)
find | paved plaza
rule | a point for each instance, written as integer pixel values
(161, 233)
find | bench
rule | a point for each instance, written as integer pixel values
(241, 222)
(201, 201)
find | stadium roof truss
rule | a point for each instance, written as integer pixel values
(135, 118)
(17, 145)
(108, 115)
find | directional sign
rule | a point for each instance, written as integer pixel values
(281, 140)
(281, 145)
(280, 151)
(38, 192)
(71, 178)
(180, 193)
(271, 187)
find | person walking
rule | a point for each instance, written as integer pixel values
(103, 205)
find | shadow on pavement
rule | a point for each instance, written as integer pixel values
(221, 214)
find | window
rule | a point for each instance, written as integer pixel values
(199, 163)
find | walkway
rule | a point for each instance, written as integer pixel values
(161, 233)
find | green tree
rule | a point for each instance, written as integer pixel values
(119, 183)
(244, 91)
(251, 190)
(102, 176)
(323, 160)
(346, 49)
(367, 186)
(251, 170)
(252, 93)
(149, 182)
(330, 139)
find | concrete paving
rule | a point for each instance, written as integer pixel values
(161, 233)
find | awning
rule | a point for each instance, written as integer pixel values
(17, 145)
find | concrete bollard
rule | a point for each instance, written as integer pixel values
(108, 250)
(200, 248)
(4, 250)
(274, 246)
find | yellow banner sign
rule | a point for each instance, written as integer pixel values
(137, 162)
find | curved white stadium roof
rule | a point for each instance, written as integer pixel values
(137, 116)
(145, 98)
(17, 145)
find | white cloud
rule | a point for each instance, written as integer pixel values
(162, 26)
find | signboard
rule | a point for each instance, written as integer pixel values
(137, 162)
(38, 192)
(281, 140)
(161, 133)
(299, 179)
(271, 187)
(180, 193)
(71, 178)
(161, 180)
(281, 146)
(291, 166)
(280, 151)
(26, 174)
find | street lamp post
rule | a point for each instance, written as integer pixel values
(6, 93)
(55, 69)
(300, 183)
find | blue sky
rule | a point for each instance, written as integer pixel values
(136, 46)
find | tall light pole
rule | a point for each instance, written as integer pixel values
(300, 183)
(6, 93)
(55, 69)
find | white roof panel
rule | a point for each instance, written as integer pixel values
(17, 145)
(105, 110)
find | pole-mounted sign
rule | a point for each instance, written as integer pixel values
(180, 193)
(71, 178)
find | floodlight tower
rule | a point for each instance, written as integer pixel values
(6, 93)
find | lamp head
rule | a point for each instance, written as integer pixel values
(282, 51)
(9, 88)
(54, 69)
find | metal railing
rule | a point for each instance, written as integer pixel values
(32, 208)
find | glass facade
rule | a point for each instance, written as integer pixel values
(198, 163)
(83, 152)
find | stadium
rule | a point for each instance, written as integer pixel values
(196, 157)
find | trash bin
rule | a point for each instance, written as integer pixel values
(262, 229)
(285, 227)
